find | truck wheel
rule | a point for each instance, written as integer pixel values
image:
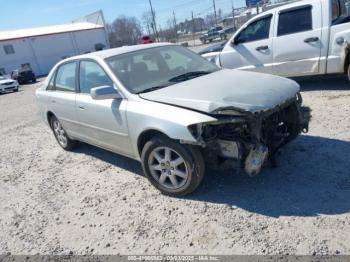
(173, 168)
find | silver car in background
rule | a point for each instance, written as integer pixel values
(7, 84)
(172, 110)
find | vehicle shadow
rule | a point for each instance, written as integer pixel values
(10, 92)
(312, 178)
(110, 158)
(327, 82)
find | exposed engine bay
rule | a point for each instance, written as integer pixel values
(251, 139)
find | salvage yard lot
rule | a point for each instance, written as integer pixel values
(91, 201)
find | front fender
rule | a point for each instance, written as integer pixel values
(338, 51)
(144, 115)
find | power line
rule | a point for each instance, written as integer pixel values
(208, 10)
(186, 3)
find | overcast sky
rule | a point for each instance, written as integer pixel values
(19, 14)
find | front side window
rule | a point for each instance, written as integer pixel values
(295, 21)
(257, 30)
(9, 50)
(65, 78)
(160, 67)
(91, 75)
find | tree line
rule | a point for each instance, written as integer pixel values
(129, 30)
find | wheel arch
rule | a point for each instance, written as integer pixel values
(49, 115)
(347, 61)
(147, 135)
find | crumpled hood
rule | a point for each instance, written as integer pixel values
(231, 89)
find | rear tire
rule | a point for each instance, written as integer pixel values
(60, 134)
(348, 72)
(174, 169)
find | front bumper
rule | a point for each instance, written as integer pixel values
(8, 88)
(256, 138)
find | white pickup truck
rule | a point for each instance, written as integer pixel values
(309, 37)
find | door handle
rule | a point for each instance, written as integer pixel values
(261, 48)
(311, 39)
(53, 101)
(81, 107)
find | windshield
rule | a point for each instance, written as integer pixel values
(154, 68)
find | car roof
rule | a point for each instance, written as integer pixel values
(287, 6)
(116, 51)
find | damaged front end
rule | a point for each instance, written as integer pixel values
(251, 139)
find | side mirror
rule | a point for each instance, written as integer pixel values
(104, 92)
(235, 41)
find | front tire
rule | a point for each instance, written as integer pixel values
(348, 72)
(173, 168)
(61, 136)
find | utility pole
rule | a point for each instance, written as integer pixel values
(194, 42)
(161, 33)
(148, 30)
(153, 19)
(233, 16)
(216, 21)
(175, 27)
(153, 29)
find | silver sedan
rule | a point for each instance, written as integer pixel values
(172, 110)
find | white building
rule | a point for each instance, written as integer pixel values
(43, 47)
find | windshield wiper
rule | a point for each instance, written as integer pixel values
(153, 88)
(188, 76)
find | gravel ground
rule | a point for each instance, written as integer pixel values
(91, 201)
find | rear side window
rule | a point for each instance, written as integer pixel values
(339, 14)
(65, 78)
(257, 30)
(295, 21)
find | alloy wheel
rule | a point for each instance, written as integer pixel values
(168, 168)
(60, 133)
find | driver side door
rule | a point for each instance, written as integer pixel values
(251, 48)
(103, 122)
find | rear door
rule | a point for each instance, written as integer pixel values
(297, 41)
(251, 48)
(62, 97)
